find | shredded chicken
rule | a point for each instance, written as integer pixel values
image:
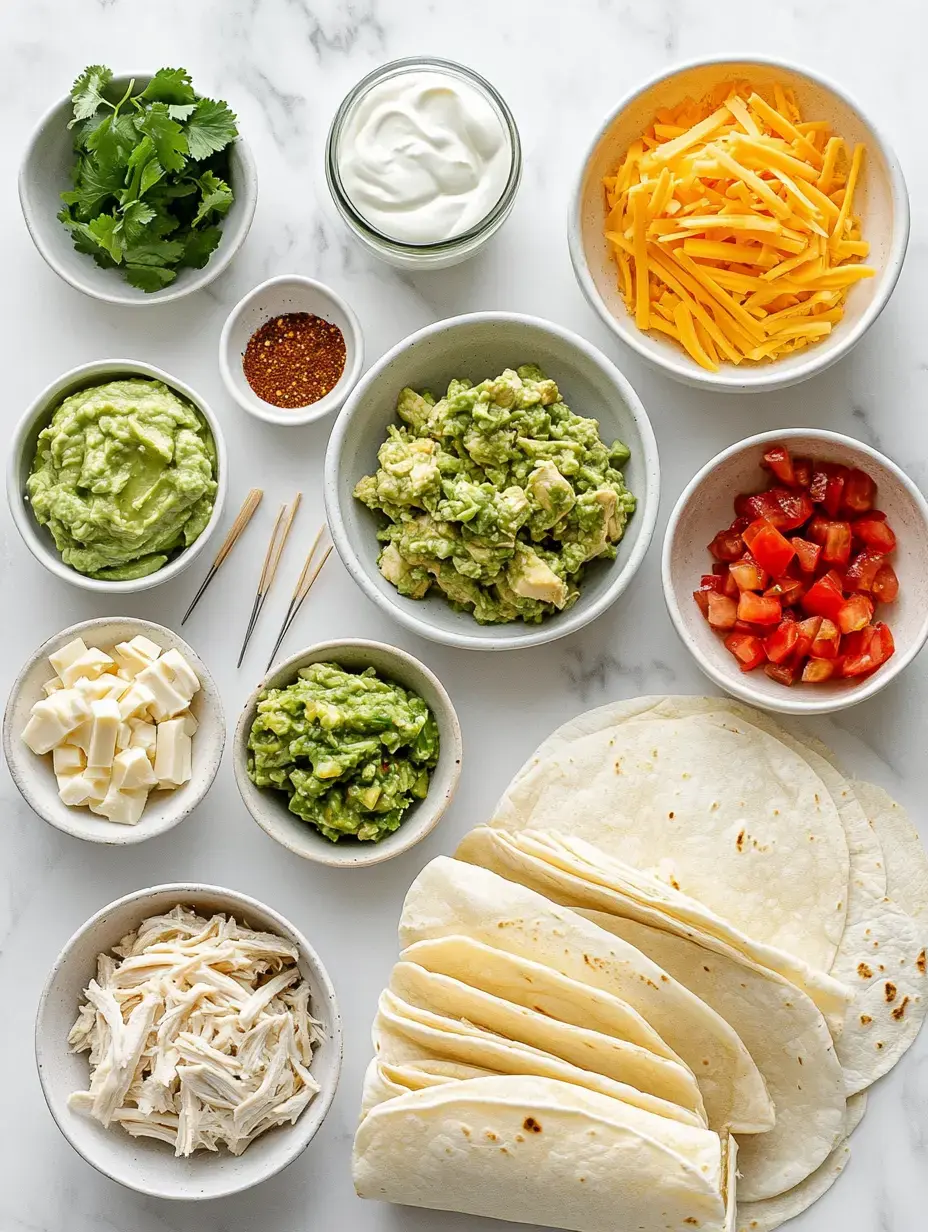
(199, 1034)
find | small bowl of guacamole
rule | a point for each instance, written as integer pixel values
(348, 753)
(116, 477)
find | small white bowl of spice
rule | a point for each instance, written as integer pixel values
(291, 351)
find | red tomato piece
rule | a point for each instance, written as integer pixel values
(827, 642)
(759, 609)
(723, 611)
(859, 492)
(863, 570)
(727, 545)
(769, 548)
(712, 581)
(817, 530)
(885, 585)
(702, 598)
(867, 650)
(874, 533)
(782, 673)
(808, 632)
(802, 471)
(807, 554)
(825, 597)
(777, 459)
(747, 649)
(818, 484)
(817, 671)
(748, 574)
(855, 614)
(790, 590)
(763, 505)
(781, 643)
(795, 508)
(836, 549)
(834, 491)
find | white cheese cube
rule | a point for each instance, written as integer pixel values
(124, 807)
(53, 718)
(78, 789)
(67, 654)
(170, 695)
(132, 770)
(145, 646)
(80, 737)
(144, 736)
(52, 686)
(185, 678)
(67, 759)
(92, 663)
(191, 726)
(102, 749)
(99, 780)
(136, 700)
(136, 654)
(106, 685)
(123, 736)
(172, 754)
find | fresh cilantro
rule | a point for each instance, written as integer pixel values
(150, 165)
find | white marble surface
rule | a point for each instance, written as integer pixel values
(284, 65)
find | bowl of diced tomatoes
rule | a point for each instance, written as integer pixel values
(795, 568)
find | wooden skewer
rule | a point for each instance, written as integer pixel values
(271, 561)
(301, 590)
(250, 504)
(264, 568)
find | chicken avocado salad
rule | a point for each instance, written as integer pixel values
(497, 495)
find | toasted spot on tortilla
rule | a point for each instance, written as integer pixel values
(531, 1125)
(921, 963)
(899, 1011)
(889, 992)
(864, 971)
(520, 1138)
(690, 1220)
(799, 1059)
(879, 1044)
(865, 1020)
(491, 1136)
(465, 1130)
(739, 841)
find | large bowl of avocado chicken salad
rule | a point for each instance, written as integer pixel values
(493, 482)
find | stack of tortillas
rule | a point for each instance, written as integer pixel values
(684, 945)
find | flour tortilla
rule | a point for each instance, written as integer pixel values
(450, 898)
(542, 1152)
(906, 860)
(580, 1046)
(575, 874)
(744, 823)
(383, 1081)
(788, 1038)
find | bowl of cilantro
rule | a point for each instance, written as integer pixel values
(137, 189)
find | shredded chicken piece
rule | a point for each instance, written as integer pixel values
(198, 1032)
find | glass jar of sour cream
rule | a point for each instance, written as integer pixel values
(423, 162)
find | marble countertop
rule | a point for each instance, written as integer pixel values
(284, 65)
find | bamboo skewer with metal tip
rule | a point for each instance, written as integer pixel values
(300, 591)
(281, 532)
(244, 516)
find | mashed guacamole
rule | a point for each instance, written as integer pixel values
(497, 495)
(352, 751)
(124, 477)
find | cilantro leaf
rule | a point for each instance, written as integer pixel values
(170, 85)
(92, 187)
(217, 196)
(210, 128)
(149, 277)
(111, 140)
(104, 229)
(133, 220)
(199, 246)
(155, 252)
(87, 91)
(166, 135)
(181, 111)
(85, 241)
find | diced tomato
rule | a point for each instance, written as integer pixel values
(748, 574)
(867, 650)
(789, 590)
(781, 643)
(720, 568)
(834, 490)
(769, 548)
(727, 545)
(863, 570)
(702, 598)
(802, 470)
(836, 549)
(859, 492)
(712, 581)
(782, 673)
(874, 533)
(825, 597)
(795, 506)
(723, 611)
(817, 671)
(855, 614)
(818, 484)
(817, 530)
(827, 642)
(763, 505)
(885, 585)
(758, 609)
(808, 632)
(807, 553)
(777, 459)
(747, 649)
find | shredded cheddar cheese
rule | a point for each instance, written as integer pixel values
(732, 226)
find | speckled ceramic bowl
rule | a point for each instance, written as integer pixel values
(269, 807)
(34, 776)
(143, 1164)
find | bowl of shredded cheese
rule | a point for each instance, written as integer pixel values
(741, 224)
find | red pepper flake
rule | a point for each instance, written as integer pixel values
(294, 360)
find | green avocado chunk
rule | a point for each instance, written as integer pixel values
(352, 751)
(124, 477)
(498, 496)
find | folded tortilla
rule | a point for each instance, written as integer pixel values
(537, 1151)
(450, 898)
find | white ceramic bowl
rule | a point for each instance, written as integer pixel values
(277, 296)
(881, 200)
(705, 507)
(142, 1163)
(269, 807)
(21, 454)
(45, 173)
(478, 346)
(34, 776)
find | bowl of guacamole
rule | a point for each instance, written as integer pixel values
(493, 482)
(117, 476)
(348, 753)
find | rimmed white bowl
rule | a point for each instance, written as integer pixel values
(477, 346)
(269, 808)
(143, 1164)
(21, 455)
(705, 507)
(45, 173)
(34, 776)
(276, 297)
(881, 200)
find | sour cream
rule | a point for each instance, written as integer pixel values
(424, 156)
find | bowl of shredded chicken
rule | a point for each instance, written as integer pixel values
(188, 1042)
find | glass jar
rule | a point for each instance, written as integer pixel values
(445, 252)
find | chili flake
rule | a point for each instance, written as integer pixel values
(294, 360)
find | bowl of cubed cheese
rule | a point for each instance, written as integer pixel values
(114, 730)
